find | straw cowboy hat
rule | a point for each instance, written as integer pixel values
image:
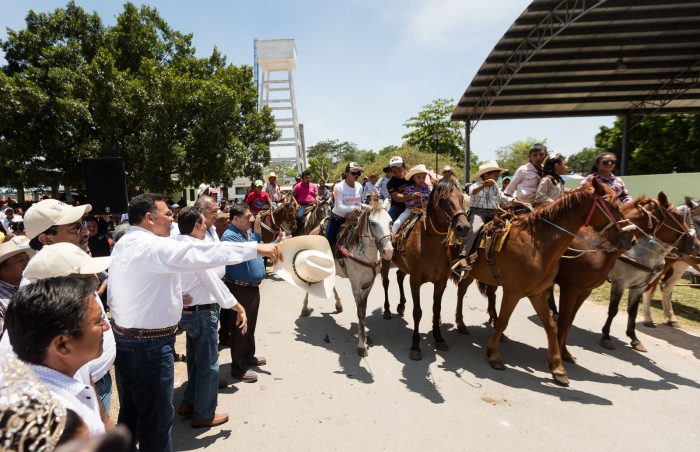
(416, 170)
(272, 174)
(487, 167)
(307, 262)
(16, 245)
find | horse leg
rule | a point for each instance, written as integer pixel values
(438, 290)
(338, 304)
(568, 298)
(541, 304)
(615, 296)
(461, 291)
(385, 284)
(666, 302)
(361, 302)
(632, 306)
(400, 276)
(491, 296)
(551, 301)
(508, 303)
(646, 307)
(415, 353)
(306, 310)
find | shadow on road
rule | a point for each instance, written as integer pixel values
(674, 336)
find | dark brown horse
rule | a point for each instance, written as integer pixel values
(281, 219)
(529, 260)
(426, 257)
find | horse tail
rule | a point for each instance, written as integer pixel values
(484, 288)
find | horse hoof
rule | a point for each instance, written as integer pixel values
(462, 329)
(607, 343)
(387, 315)
(569, 358)
(637, 345)
(415, 355)
(673, 323)
(560, 379)
(649, 324)
(497, 364)
(442, 346)
(362, 352)
(401, 308)
(306, 312)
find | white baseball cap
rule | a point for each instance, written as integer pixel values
(395, 161)
(51, 212)
(64, 259)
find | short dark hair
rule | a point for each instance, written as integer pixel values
(537, 147)
(36, 245)
(187, 218)
(237, 210)
(41, 311)
(140, 205)
(305, 173)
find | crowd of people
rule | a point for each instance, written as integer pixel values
(81, 294)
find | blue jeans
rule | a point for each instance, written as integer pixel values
(332, 229)
(300, 219)
(104, 391)
(396, 210)
(202, 361)
(145, 379)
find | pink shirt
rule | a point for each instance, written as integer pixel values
(305, 193)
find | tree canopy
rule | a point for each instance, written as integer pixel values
(433, 131)
(515, 154)
(73, 88)
(327, 158)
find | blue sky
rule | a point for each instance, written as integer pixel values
(364, 66)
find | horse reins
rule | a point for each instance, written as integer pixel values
(373, 265)
(660, 223)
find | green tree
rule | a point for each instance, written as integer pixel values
(327, 155)
(433, 131)
(657, 144)
(582, 161)
(515, 154)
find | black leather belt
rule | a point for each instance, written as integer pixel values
(200, 307)
(138, 333)
(240, 283)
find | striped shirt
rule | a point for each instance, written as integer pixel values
(6, 292)
(614, 182)
(490, 197)
(424, 190)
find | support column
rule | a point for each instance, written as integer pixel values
(467, 151)
(625, 145)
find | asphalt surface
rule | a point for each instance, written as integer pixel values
(317, 394)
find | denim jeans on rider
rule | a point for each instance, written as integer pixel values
(145, 378)
(332, 229)
(395, 210)
(202, 361)
(300, 219)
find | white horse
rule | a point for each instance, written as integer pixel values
(362, 252)
(673, 272)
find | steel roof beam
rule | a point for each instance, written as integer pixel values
(614, 28)
(575, 113)
(663, 11)
(562, 67)
(577, 89)
(658, 76)
(543, 55)
(651, 101)
(592, 41)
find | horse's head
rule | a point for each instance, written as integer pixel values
(446, 206)
(606, 217)
(691, 208)
(378, 223)
(672, 227)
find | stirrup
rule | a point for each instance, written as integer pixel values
(461, 270)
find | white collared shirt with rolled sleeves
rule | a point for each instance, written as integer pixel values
(144, 277)
(524, 184)
(74, 395)
(205, 287)
(213, 237)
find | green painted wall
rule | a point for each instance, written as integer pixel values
(675, 185)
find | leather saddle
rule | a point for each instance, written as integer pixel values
(398, 241)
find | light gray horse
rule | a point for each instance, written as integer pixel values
(639, 266)
(361, 257)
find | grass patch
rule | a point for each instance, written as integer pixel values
(686, 303)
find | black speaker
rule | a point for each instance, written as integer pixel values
(105, 184)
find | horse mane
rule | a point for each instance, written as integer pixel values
(565, 204)
(440, 191)
(643, 199)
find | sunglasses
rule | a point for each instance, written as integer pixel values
(608, 162)
(355, 173)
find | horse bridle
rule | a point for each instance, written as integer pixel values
(452, 218)
(682, 233)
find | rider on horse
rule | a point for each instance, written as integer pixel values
(347, 198)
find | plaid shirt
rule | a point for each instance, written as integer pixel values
(488, 198)
(614, 182)
(6, 292)
(424, 190)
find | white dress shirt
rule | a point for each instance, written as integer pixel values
(524, 184)
(144, 277)
(73, 395)
(213, 237)
(205, 287)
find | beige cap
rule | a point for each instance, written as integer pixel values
(16, 245)
(64, 259)
(50, 212)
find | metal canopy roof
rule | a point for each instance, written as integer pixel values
(591, 58)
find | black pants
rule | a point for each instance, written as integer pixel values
(243, 345)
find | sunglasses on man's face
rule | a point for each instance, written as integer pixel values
(356, 173)
(608, 162)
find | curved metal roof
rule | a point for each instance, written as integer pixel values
(591, 58)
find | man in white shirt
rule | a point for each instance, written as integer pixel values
(145, 298)
(57, 327)
(526, 179)
(200, 321)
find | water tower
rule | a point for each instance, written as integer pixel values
(275, 60)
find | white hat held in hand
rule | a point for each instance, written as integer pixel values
(64, 259)
(307, 262)
(51, 212)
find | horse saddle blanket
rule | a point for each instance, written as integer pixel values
(493, 235)
(345, 234)
(398, 241)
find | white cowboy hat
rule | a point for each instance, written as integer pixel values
(272, 174)
(487, 167)
(416, 170)
(307, 262)
(16, 245)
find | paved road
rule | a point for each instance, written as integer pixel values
(317, 394)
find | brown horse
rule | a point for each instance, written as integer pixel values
(529, 260)
(319, 210)
(281, 219)
(426, 255)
